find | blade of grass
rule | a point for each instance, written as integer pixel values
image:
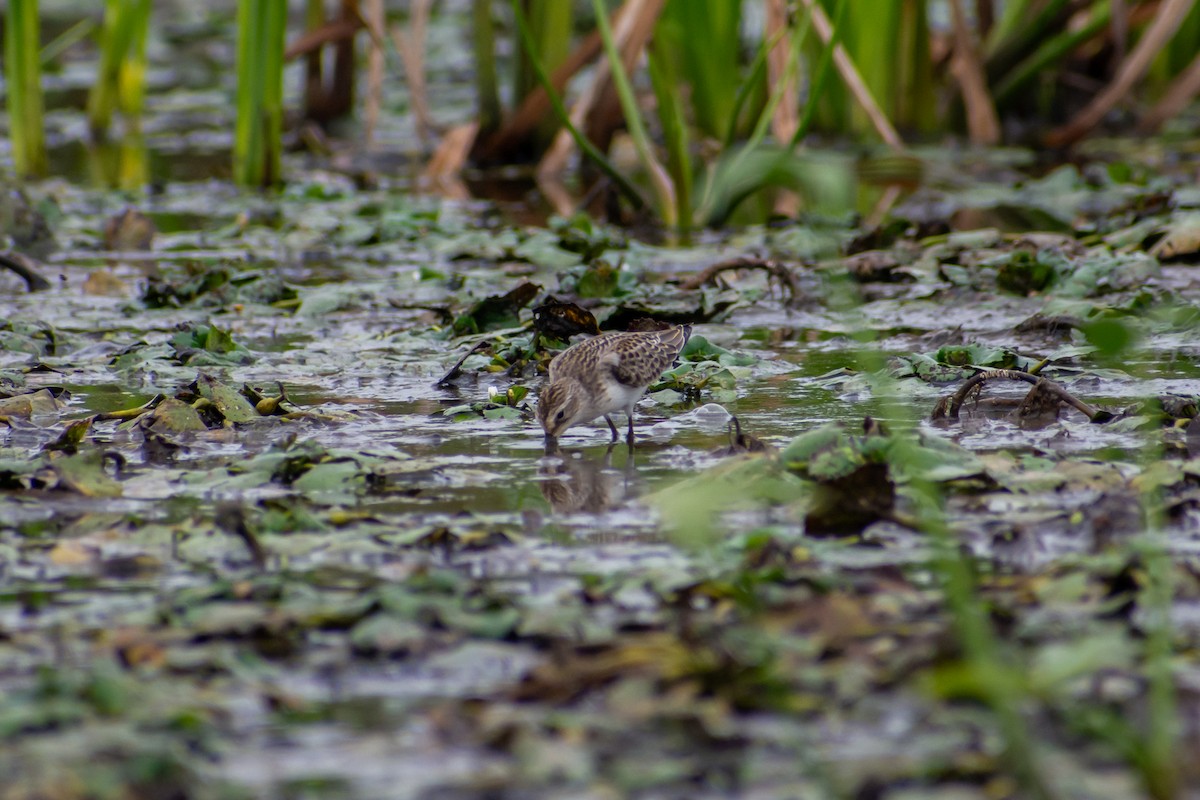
(674, 124)
(257, 152)
(999, 682)
(23, 77)
(1004, 693)
(851, 77)
(1161, 772)
(916, 86)
(1029, 26)
(586, 147)
(487, 92)
(762, 125)
(131, 79)
(116, 34)
(659, 178)
(875, 57)
(704, 37)
(1051, 51)
(756, 74)
(821, 75)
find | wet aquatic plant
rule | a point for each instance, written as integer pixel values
(258, 144)
(23, 76)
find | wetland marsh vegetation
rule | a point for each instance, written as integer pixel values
(916, 514)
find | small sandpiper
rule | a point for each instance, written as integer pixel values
(605, 374)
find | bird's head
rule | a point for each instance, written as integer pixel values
(559, 407)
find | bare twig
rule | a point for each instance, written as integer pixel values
(1182, 91)
(27, 267)
(771, 266)
(455, 370)
(951, 409)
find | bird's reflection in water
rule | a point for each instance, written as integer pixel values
(573, 481)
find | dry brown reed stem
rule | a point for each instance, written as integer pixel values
(445, 165)
(373, 14)
(885, 203)
(854, 82)
(632, 25)
(336, 31)
(787, 113)
(411, 48)
(786, 118)
(517, 127)
(1120, 29)
(605, 117)
(1166, 22)
(1179, 94)
(983, 126)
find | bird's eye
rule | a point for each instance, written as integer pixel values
(560, 415)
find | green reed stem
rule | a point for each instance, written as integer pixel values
(820, 79)
(1004, 692)
(121, 80)
(705, 36)
(999, 681)
(258, 140)
(1159, 767)
(22, 71)
(487, 90)
(756, 74)
(131, 83)
(582, 142)
(1052, 51)
(673, 119)
(633, 121)
(734, 167)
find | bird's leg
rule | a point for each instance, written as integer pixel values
(611, 426)
(629, 436)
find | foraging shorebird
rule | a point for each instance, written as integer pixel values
(605, 374)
